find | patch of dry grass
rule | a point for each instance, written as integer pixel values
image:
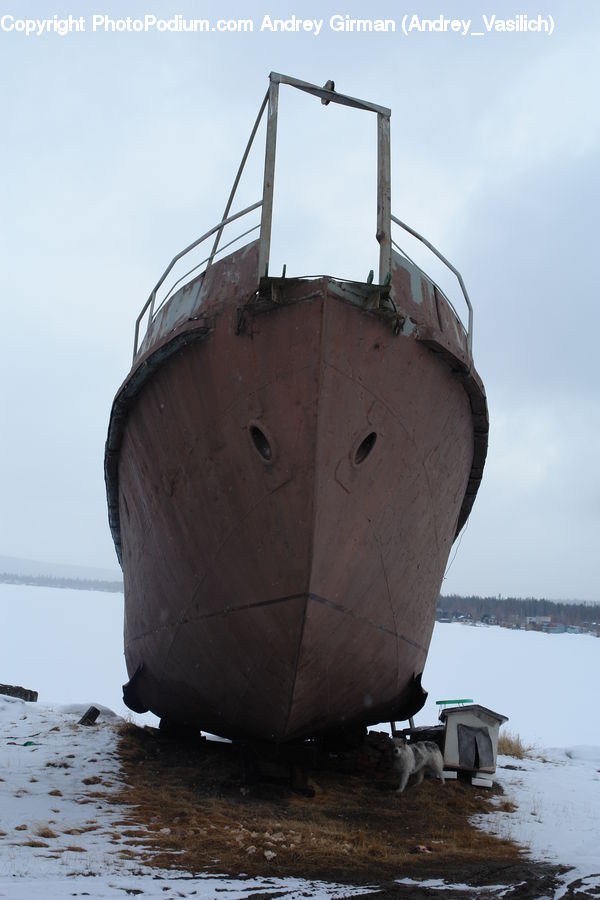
(83, 829)
(186, 805)
(506, 806)
(510, 744)
(44, 831)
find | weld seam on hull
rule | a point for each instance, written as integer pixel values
(296, 663)
(338, 607)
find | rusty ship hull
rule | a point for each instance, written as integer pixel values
(287, 479)
(288, 464)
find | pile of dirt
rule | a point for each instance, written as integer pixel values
(200, 805)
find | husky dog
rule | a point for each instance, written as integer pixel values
(420, 758)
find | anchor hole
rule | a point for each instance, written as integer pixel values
(261, 443)
(365, 448)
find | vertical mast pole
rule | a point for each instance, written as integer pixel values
(269, 177)
(384, 185)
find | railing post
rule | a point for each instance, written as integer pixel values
(384, 187)
(269, 177)
(152, 302)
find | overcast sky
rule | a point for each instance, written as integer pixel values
(118, 149)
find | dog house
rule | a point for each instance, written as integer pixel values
(471, 738)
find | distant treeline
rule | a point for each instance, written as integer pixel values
(517, 609)
(79, 584)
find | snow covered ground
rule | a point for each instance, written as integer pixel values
(53, 774)
(59, 837)
(558, 815)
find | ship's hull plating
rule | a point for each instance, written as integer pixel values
(287, 479)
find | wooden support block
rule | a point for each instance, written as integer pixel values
(13, 690)
(300, 781)
(89, 717)
(481, 781)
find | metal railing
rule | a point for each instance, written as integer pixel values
(150, 302)
(270, 103)
(327, 95)
(453, 269)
